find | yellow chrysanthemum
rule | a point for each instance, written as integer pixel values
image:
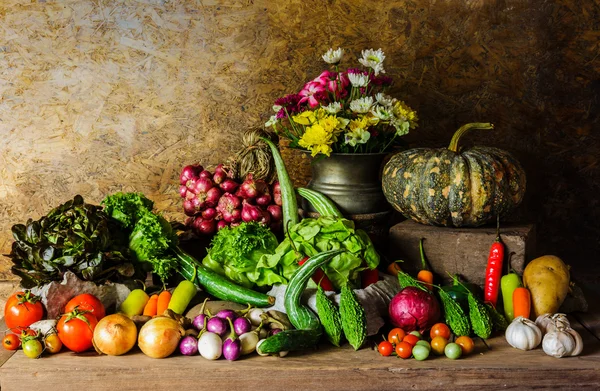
(360, 123)
(305, 118)
(401, 110)
(317, 140)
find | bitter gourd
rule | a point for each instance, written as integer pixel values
(405, 280)
(330, 317)
(480, 317)
(498, 320)
(455, 317)
(354, 318)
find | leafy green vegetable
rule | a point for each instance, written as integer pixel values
(237, 253)
(76, 237)
(151, 237)
(313, 236)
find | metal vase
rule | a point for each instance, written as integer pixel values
(351, 180)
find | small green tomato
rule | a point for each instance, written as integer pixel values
(32, 348)
(417, 334)
(453, 351)
(420, 352)
(422, 342)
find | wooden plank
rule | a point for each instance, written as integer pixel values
(4, 354)
(590, 319)
(325, 369)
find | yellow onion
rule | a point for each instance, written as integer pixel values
(114, 335)
(159, 337)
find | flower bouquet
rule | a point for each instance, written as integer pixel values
(344, 111)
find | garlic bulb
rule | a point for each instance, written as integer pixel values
(558, 344)
(549, 322)
(523, 334)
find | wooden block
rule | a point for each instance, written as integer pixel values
(458, 250)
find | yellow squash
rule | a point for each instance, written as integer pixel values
(547, 278)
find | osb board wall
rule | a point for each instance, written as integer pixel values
(107, 95)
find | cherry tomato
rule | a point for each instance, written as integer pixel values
(86, 302)
(404, 349)
(453, 351)
(396, 335)
(466, 344)
(76, 330)
(21, 310)
(11, 342)
(32, 348)
(438, 344)
(52, 343)
(440, 330)
(411, 339)
(385, 348)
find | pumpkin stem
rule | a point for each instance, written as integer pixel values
(464, 129)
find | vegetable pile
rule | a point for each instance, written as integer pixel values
(215, 200)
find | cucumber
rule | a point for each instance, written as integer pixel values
(322, 204)
(217, 285)
(300, 316)
(289, 205)
(289, 340)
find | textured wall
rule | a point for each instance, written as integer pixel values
(106, 95)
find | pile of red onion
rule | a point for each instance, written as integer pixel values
(215, 200)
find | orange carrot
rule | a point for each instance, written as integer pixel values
(522, 302)
(163, 302)
(393, 268)
(424, 275)
(151, 305)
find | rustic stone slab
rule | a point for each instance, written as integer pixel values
(459, 250)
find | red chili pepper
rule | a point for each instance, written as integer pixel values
(493, 273)
(319, 277)
(368, 277)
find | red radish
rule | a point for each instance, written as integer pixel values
(229, 185)
(182, 191)
(212, 196)
(189, 172)
(276, 212)
(204, 227)
(221, 224)
(209, 213)
(277, 194)
(263, 200)
(206, 174)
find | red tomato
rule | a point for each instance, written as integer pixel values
(411, 339)
(76, 330)
(404, 349)
(396, 335)
(21, 310)
(11, 342)
(385, 348)
(86, 302)
(440, 330)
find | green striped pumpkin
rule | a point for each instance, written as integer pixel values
(448, 187)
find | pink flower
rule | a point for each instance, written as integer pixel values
(313, 92)
(334, 83)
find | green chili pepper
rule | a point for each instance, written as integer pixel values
(460, 292)
(183, 295)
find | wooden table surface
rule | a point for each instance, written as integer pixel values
(327, 368)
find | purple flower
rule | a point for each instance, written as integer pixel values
(288, 103)
(357, 71)
(381, 80)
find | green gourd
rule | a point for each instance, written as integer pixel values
(454, 314)
(481, 320)
(330, 317)
(449, 187)
(354, 318)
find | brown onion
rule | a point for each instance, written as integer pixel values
(160, 336)
(114, 335)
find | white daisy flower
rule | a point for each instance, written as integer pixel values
(384, 100)
(382, 112)
(373, 59)
(276, 108)
(271, 122)
(333, 56)
(358, 80)
(357, 136)
(361, 105)
(333, 107)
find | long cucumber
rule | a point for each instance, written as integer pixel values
(217, 285)
(289, 205)
(301, 316)
(289, 340)
(322, 204)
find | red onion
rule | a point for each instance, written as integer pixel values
(277, 194)
(247, 189)
(209, 213)
(263, 200)
(228, 203)
(229, 185)
(221, 224)
(235, 224)
(235, 216)
(251, 212)
(206, 174)
(182, 191)
(204, 227)
(219, 175)
(212, 196)
(414, 309)
(201, 185)
(189, 208)
(275, 212)
(189, 172)
(261, 187)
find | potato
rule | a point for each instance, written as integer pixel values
(547, 278)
